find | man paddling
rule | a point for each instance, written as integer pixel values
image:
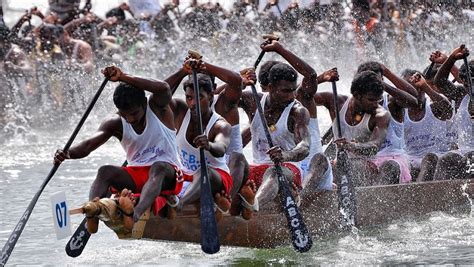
(146, 130)
(288, 122)
(224, 103)
(317, 172)
(214, 140)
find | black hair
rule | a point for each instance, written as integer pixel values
(372, 66)
(4, 32)
(56, 30)
(264, 71)
(116, 12)
(463, 71)
(282, 71)
(407, 73)
(127, 97)
(367, 82)
(204, 81)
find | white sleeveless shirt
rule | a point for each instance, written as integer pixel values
(189, 155)
(281, 137)
(360, 132)
(235, 137)
(395, 141)
(461, 127)
(426, 135)
(156, 143)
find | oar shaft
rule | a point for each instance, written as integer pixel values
(15, 235)
(209, 235)
(336, 107)
(430, 68)
(259, 59)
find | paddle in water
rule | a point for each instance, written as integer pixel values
(347, 205)
(300, 236)
(210, 243)
(15, 235)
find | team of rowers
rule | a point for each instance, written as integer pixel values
(417, 128)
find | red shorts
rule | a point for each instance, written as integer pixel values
(226, 179)
(256, 173)
(140, 174)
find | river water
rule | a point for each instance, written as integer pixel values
(28, 144)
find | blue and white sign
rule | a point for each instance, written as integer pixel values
(61, 219)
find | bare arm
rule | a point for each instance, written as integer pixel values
(302, 136)
(219, 139)
(371, 147)
(399, 82)
(441, 78)
(108, 128)
(402, 98)
(441, 106)
(233, 90)
(161, 93)
(310, 78)
(175, 79)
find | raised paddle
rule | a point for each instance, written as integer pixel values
(266, 37)
(210, 243)
(15, 235)
(347, 205)
(300, 236)
(469, 84)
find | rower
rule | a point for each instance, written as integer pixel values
(146, 130)
(425, 127)
(316, 169)
(224, 103)
(392, 160)
(453, 164)
(214, 141)
(288, 122)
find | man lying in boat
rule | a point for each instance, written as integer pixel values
(316, 170)
(224, 103)
(146, 130)
(288, 123)
(454, 164)
(425, 127)
(214, 140)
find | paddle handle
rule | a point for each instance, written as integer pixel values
(259, 59)
(336, 107)
(469, 83)
(15, 235)
(430, 68)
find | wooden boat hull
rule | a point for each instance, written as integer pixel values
(376, 205)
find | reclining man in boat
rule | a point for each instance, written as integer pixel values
(146, 130)
(452, 165)
(425, 127)
(288, 122)
(214, 140)
(224, 103)
(317, 172)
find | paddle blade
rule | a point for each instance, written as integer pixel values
(209, 236)
(300, 236)
(78, 241)
(347, 201)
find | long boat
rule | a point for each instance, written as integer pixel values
(376, 206)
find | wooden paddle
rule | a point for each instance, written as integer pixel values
(347, 204)
(15, 235)
(469, 84)
(210, 243)
(266, 37)
(300, 236)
